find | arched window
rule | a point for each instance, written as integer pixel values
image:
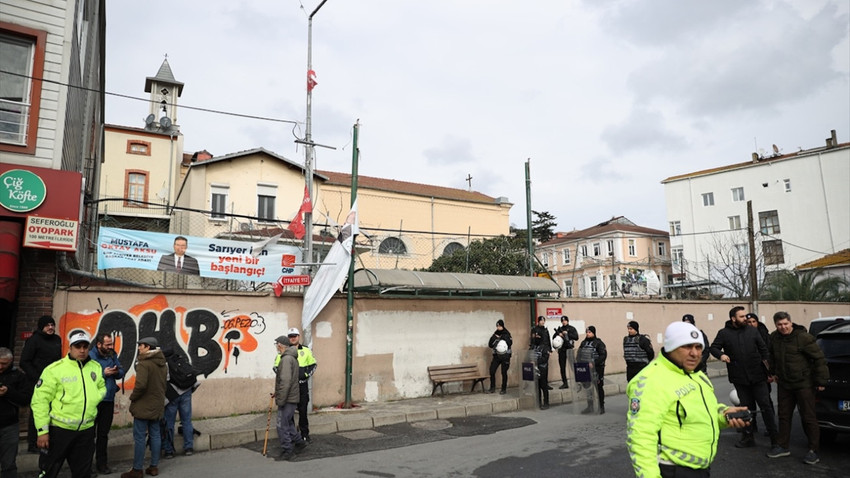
(392, 245)
(452, 247)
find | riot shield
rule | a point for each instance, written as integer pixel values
(528, 384)
(585, 392)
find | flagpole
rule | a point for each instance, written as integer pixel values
(349, 335)
(308, 136)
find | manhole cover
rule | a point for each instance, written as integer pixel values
(432, 424)
(361, 434)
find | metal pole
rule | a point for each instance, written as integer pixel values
(532, 309)
(530, 242)
(349, 334)
(754, 283)
(308, 140)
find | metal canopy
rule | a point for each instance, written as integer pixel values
(394, 281)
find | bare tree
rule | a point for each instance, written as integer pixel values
(727, 262)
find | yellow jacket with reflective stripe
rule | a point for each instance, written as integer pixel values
(673, 418)
(67, 394)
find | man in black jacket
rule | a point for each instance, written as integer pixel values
(40, 350)
(745, 354)
(14, 393)
(569, 335)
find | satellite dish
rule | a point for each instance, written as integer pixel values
(165, 122)
(775, 149)
(150, 119)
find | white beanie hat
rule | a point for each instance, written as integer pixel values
(679, 334)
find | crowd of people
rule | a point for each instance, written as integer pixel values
(673, 419)
(72, 400)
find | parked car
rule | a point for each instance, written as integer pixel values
(832, 406)
(822, 323)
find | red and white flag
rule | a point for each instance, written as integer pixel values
(311, 80)
(297, 223)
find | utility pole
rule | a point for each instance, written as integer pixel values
(349, 334)
(308, 137)
(754, 283)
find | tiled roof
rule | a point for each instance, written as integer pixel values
(415, 189)
(840, 258)
(615, 224)
(748, 164)
(251, 152)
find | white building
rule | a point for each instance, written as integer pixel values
(800, 209)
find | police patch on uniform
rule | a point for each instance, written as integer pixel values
(38, 384)
(93, 377)
(634, 405)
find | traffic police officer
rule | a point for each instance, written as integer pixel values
(64, 408)
(306, 368)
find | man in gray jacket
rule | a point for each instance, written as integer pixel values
(287, 394)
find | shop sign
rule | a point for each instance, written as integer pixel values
(21, 190)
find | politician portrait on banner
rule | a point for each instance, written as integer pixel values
(260, 261)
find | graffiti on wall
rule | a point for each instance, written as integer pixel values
(211, 341)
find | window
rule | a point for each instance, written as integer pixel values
(20, 96)
(632, 248)
(708, 199)
(737, 194)
(772, 251)
(675, 228)
(584, 250)
(610, 245)
(218, 201)
(734, 223)
(136, 188)
(787, 183)
(452, 247)
(568, 288)
(742, 251)
(769, 222)
(678, 255)
(662, 249)
(392, 245)
(594, 287)
(138, 147)
(565, 255)
(266, 195)
(545, 257)
(597, 249)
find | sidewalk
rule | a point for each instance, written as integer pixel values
(233, 431)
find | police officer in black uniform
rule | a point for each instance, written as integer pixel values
(569, 335)
(541, 347)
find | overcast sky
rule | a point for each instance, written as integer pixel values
(606, 97)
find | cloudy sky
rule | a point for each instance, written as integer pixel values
(606, 97)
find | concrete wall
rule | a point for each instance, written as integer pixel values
(230, 337)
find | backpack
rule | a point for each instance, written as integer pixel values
(180, 371)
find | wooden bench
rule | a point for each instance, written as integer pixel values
(441, 374)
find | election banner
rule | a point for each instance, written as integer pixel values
(199, 256)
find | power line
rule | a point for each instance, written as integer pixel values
(147, 100)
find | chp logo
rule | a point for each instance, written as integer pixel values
(287, 264)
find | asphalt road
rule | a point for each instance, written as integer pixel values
(555, 442)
